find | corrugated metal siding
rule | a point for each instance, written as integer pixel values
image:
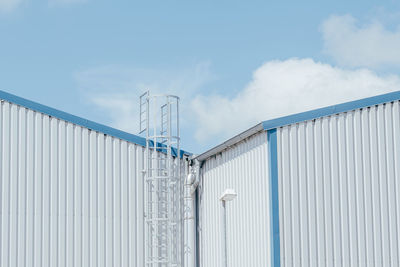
(69, 196)
(339, 189)
(244, 168)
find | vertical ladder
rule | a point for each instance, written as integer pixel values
(163, 182)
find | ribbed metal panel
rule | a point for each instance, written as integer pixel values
(69, 196)
(243, 167)
(339, 189)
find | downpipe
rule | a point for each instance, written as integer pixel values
(192, 180)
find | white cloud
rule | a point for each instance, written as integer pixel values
(352, 44)
(277, 88)
(280, 88)
(115, 90)
(9, 5)
(121, 108)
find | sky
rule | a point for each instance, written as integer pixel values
(233, 63)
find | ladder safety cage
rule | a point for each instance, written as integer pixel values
(163, 181)
(164, 121)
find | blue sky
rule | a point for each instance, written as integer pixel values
(233, 62)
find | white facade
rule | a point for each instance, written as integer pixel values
(339, 189)
(319, 188)
(244, 168)
(69, 196)
(337, 174)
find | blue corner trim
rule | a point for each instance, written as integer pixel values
(78, 120)
(318, 113)
(274, 198)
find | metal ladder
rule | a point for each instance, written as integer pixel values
(163, 183)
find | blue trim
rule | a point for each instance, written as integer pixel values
(77, 120)
(318, 113)
(274, 198)
(197, 248)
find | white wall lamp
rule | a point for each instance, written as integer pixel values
(228, 195)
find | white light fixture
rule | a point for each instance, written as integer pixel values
(228, 195)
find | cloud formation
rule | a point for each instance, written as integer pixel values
(280, 88)
(277, 88)
(356, 45)
(9, 5)
(115, 89)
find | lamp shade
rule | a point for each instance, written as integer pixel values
(228, 195)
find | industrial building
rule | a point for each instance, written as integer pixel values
(320, 188)
(72, 192)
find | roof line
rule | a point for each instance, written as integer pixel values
(300, 117)
(331, 110)
(76, 120)
(230, 142)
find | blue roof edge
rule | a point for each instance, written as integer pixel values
(301, 117)
(331, 110)
(78, 120)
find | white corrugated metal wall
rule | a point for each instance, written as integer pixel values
(339, 189)
(69, 196)
(244, 168)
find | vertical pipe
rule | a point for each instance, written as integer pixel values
(189, 229)
(189, 213)
(223, 235)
